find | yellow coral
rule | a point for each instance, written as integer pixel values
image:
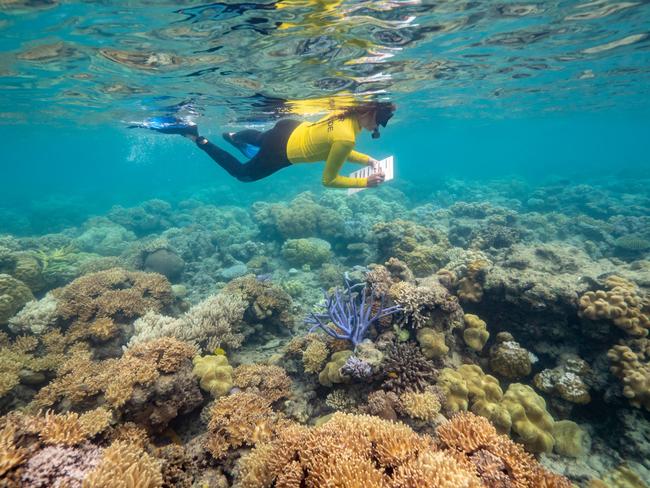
(530, 420)
(331, 373)
(622, 303)
(631, 363)
(570, 439)
(485, 395)
(70, 428)
(125, 466)
(424, 406)
(455, 389)
(475, 334)
(432, 343)
(314, 356)
(11, 456)
(214, 373)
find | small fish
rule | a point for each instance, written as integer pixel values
(392, 374)
(219, 352)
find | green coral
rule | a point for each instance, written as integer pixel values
(531, 422)
(485, 396)
(14, 294)
(331, 374)
(475, 334)
(570, 439)
(454, 386)
(214, 373)
(432, 343)
(311, 251)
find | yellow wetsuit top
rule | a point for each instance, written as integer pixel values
(331, 139)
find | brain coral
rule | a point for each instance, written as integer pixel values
(622, 304)
(14, 294)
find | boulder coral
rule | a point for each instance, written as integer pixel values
(570, 439)
(432, 343)
(455, 390)
(532, 425)
(566, 380)
(508, 358)
(475, 334)
(311, 251)
(485, 396)
(470, 286)
(214, 373)
(630, 362)
(331, 374)
(14, 294)
(622, 303)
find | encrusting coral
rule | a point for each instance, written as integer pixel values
(570, 439)
(622, 304)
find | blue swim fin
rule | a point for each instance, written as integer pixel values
(168, 125)
(248, 150)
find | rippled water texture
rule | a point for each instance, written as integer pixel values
(107, 59)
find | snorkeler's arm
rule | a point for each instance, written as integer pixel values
(339, 152)
(357, 157)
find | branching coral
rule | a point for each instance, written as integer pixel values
(11, 456)
(423, 406)
(314, 356)
(267, 303)
(494, 454)
(125, 466)
(622, 304)
(215, 321)
(59, 466)
(115, 293)
(407, 369)
(236, 419)
(69, 429)
(36, 317)
(270, 382)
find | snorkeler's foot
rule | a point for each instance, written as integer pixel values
(247, 150)
(170, 125)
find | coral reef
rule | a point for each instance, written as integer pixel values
(475, 334)
(406, 369)
(311, 252)
(432, 343)
(508, 358)
(631, 363)
(214, 373)
(14, 294)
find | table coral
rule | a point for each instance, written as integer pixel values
(14, 294)
(214, 373)
(531, 422)
(69, 429)
(268, 381)
(116, 293)
(623, 304)
(475, 334)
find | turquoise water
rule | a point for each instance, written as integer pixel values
(521, 196)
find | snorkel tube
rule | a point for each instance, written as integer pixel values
(384, 111)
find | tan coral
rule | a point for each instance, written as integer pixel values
(466, 432)
(167, 353)
(423, 406)
(622, 303)
(470, 286)
(485, 396)
(432, 343)
(314, 356)
(630, 361)
(455, 389)
(435, 470)
(270, 382)
(11, 456)
(125, 466)
(475, 334)
(70, 428)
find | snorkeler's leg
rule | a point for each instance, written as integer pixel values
(224, 159)
(246, 136)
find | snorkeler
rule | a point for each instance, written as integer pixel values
(331, 139)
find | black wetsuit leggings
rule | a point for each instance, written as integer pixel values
(271, 157)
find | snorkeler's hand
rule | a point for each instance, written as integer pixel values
(376, 179)
(373, 162)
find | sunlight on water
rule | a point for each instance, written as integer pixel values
(249, 60)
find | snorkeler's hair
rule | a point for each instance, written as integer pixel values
(384, 111)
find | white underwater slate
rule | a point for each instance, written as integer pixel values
(386, 165)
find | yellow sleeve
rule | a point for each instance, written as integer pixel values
(357, 157)
(339, 152)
